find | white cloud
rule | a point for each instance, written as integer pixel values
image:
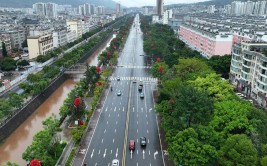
(139, 3)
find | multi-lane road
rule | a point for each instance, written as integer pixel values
(127, 117)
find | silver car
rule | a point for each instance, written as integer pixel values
(115, 162)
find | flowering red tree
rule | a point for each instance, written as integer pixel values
(35, 162)
(158, 59)
(108, 54)
(161, 69)
(98, 69)
(77, 102)
(114, 47)
(152, 45)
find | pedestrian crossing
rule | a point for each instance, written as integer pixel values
(129, 66)
(134, 79)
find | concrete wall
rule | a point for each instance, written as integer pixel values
(18, 118)
(21, 115)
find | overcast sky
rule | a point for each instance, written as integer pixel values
(139, 3)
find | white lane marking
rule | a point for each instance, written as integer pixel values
(111, 151)
(150, 164)
(149, 152)
(142, 109)
(99, 151)
(137, 151)
(106, 109)
(123, 109)
(147, 131)
(113, 140)
(92, 154)
(115, 130)
(120, 103)
(112, 103)
(150, 109)
(104, 131)
(119, 109)
(131, 154)
(147, 122)
(137, 164)
(137, 130)
(108, 115)
(155, 154)
(146, 115)
(137, 122)
(143, 154)
(117, 153)
(147, 140)
(118, 115)
(115, 109)
(107, 122)
(102, 140)
(116, 122)
(104, 155)
(95, 164)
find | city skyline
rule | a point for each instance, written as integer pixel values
(140, 3)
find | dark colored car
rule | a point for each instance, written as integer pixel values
(143, 141)
(131, 145)
(140, 88)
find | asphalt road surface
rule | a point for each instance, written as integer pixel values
(127, 117)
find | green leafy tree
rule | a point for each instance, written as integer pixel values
(187, 150)
(4, 51)
(5, 108)
(238, 150)
(8, 64)
(155, 70)
(264, 161)
(221, 64)
(231, 117)
(15, 100)
(216, 88)
(34, 78)
(23, 62)
(190, 69)
(193, 107)
(11, 164)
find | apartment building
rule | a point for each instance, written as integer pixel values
(207, 40)
(249, 69)
(17, 36)
(60, 37)
(7, 40)
(71, 36)
(40, 44)
(75, 25)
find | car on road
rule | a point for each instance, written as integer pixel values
(134, 81)
(142, 95)
(119, 93)
(115, 162)
(143, 141)
(131, 145)
(118, 78)
(140, 88)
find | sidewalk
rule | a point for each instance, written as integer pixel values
(85, 142)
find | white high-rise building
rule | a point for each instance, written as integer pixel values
(249, 6)
(81, 10)
(51, 10)
(100, 10)
(39, 9)
(87, 9)
(262, 10)
(256, 8)
(92, 9)
(227, 9)
(237, 8)
(211, 9)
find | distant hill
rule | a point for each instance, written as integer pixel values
(74, 3)
(220, 2)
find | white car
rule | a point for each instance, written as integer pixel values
(115, 162)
